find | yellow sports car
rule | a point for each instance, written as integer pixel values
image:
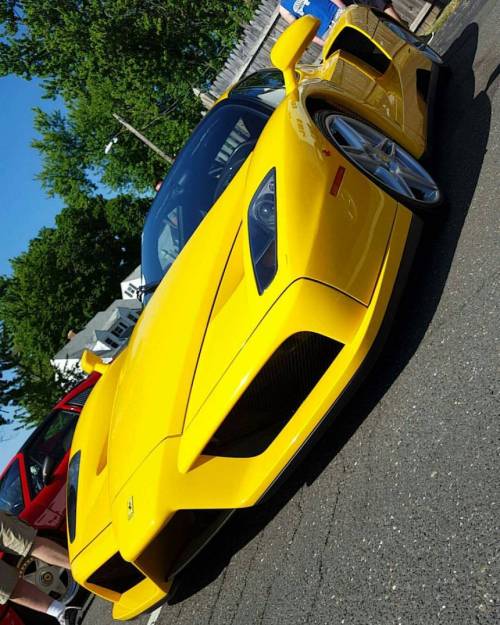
(272, 256)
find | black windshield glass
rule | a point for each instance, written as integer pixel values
(266, 85)
(207, 164)
(11, 496)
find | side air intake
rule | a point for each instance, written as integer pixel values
(359, 45)
(117, 575)
(274, 396)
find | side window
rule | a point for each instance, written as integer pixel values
(264, 79)
(81, 398)
(266, 85)
(120, 329)
(54, 440)
(11, 495)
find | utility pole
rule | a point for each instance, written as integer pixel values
(140, 136)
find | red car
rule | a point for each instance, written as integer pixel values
(33, 487)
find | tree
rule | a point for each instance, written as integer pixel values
(66, 164)
(7, 386)
(34, 389)
(25, 395)
(138, 58)
(68, 273)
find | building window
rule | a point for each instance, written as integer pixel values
(119, 330)
(133, 318)
(111, 343)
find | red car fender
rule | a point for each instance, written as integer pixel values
(47, 510)
(9, 617)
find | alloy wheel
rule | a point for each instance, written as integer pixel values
(54, 581)
(383, 159)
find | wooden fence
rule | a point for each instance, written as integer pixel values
(252, 51)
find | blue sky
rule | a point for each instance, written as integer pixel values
(24, 207)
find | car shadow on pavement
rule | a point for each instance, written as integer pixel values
(462, 125)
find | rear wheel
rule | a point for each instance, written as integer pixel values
(380, 158)
(55, 581)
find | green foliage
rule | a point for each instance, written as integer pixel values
(66, 163)
(138, 58)
(31, 391)
(70, 272)
(66, 276)
(7, 386)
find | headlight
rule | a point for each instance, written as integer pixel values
(71, 493)
(262, 231)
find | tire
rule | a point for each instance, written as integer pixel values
(422, 203)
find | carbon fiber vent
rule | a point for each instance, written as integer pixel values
(274, 396)
(117, 575)
(360, 46)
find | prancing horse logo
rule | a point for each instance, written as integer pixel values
(130, 508)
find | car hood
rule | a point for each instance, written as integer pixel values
(158, 366)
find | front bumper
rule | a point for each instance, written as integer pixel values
(140, 597)
(176, 476)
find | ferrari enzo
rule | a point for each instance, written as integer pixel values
(273, 255)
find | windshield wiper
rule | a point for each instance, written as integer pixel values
(146, 289)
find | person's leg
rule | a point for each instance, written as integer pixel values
(21, 539)
(391, 11)
(50, 552)
(30, 596)
(19, 591)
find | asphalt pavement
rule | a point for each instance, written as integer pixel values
(392, 518)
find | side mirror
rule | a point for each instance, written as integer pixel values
(47, 469)
(290, 47)
(91, 362)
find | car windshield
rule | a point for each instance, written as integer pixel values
(210, 159)
(11, 495)
(54, 440)
(267, 85)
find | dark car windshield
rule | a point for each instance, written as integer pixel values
(267, 85)
(11, 495)
(210, 159)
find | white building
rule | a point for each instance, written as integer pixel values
(105, 334)
(131, 283)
